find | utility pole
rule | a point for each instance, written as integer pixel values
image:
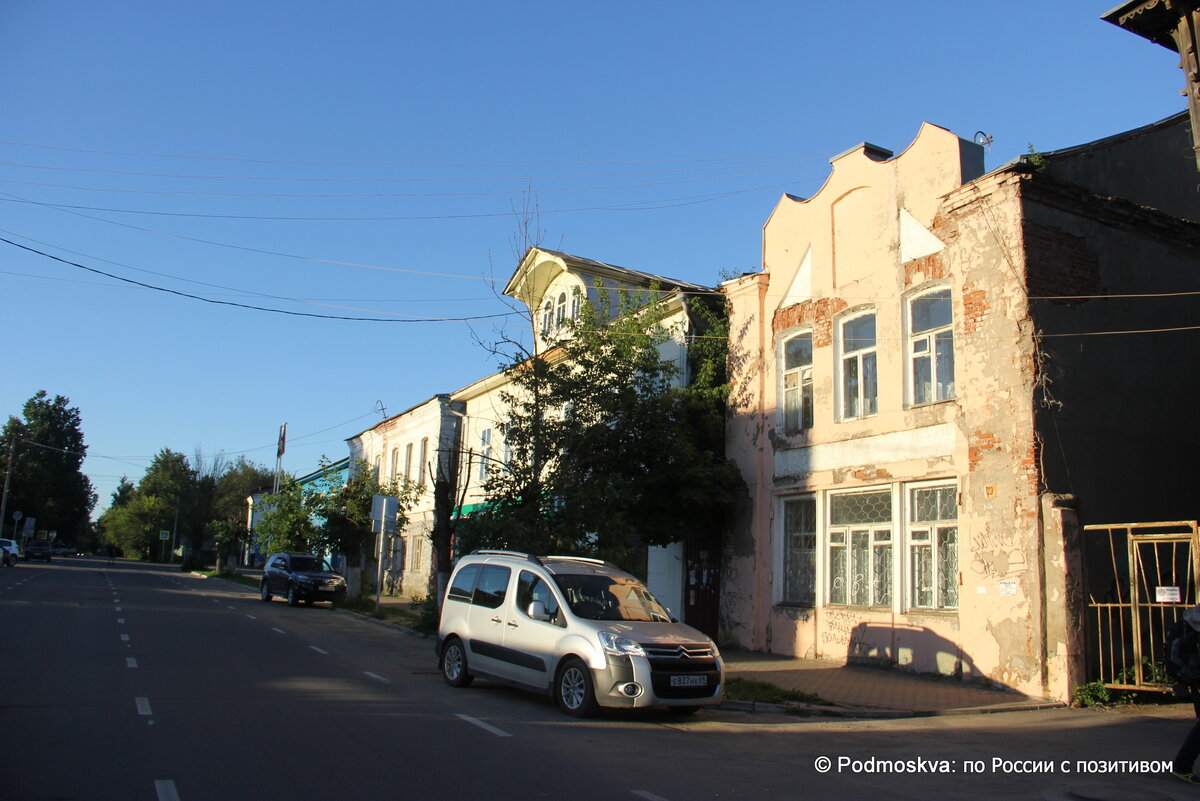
(12, 455)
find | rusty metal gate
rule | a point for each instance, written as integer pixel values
(1140, 578)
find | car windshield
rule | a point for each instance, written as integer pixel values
(611, 598)
(310, 564)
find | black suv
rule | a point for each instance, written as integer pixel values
(38, 549)
(301, 577)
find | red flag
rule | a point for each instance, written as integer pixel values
(282, 441)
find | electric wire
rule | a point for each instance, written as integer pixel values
(250, 306)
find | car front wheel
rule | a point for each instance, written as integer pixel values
(264, 592)
(573, 690)
(292, 598)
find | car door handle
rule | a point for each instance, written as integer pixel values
(495, 620)
(512, 624)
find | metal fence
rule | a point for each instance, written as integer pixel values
(1140, 579)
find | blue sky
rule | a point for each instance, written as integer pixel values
(366, 159)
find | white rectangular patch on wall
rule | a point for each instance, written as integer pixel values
(1008, 587)
(1167, 595)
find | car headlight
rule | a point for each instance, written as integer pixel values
(617, 645)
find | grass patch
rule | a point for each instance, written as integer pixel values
(236, 578)
(741, 689)
(417, 618)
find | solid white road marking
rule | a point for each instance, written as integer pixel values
(143, 705)
(485, 726)
(646, 794)
(166, 790)
(130, 662)
(319, 650)
(375, 676)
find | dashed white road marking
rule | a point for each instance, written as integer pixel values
(485, 726)
(124, 638)
(120, 621)
(252, 617)
(375, 676)
(281, 631)
(319, 650)
(646, 794)
(166, 790)
(143, 705)
(130, 662)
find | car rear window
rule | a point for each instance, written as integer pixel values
(464, 584)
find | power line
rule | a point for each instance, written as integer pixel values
(665, 203)
(367, 178)
(249, 306)
(399, 163)
(344, 195)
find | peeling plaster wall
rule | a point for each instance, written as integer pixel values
(1001, 613)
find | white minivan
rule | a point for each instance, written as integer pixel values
(582, 630)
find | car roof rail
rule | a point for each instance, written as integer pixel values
(499, 552)
(586, 559)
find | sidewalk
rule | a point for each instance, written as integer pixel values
(853, 690)
(862, 691)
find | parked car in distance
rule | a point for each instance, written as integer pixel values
(584, 631)
(62, 549)
(38, 549)
(9, 553)
(301, 577)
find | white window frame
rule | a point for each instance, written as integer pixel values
(842, 589)
(923, 538)
(560, 310)
(923, 346)
(796, 386)
(408, 450)
(862, 357)
(485, 453)
(395, 462)
(421, 475)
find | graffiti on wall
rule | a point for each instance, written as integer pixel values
(995, 556)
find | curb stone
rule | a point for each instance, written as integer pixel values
(405, 629)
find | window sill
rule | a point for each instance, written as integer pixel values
(930, 404)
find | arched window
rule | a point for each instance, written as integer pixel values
(560, 312)
(798, 383)
(931, 347)
(859, 376)
(547, 318)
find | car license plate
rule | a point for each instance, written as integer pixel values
(689, 681)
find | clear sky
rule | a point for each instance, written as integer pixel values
(366, 159)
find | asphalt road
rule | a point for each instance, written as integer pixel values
(132, 682)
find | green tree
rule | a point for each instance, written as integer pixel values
(47, 482)
(332, 515)
(234, 483)
(287, 523)
(608, 453)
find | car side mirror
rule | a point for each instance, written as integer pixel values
(537, 611)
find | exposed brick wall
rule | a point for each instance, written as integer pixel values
(980, 443)
(975, 307)
(1059, 263)
(817, 313)
(926, 268)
